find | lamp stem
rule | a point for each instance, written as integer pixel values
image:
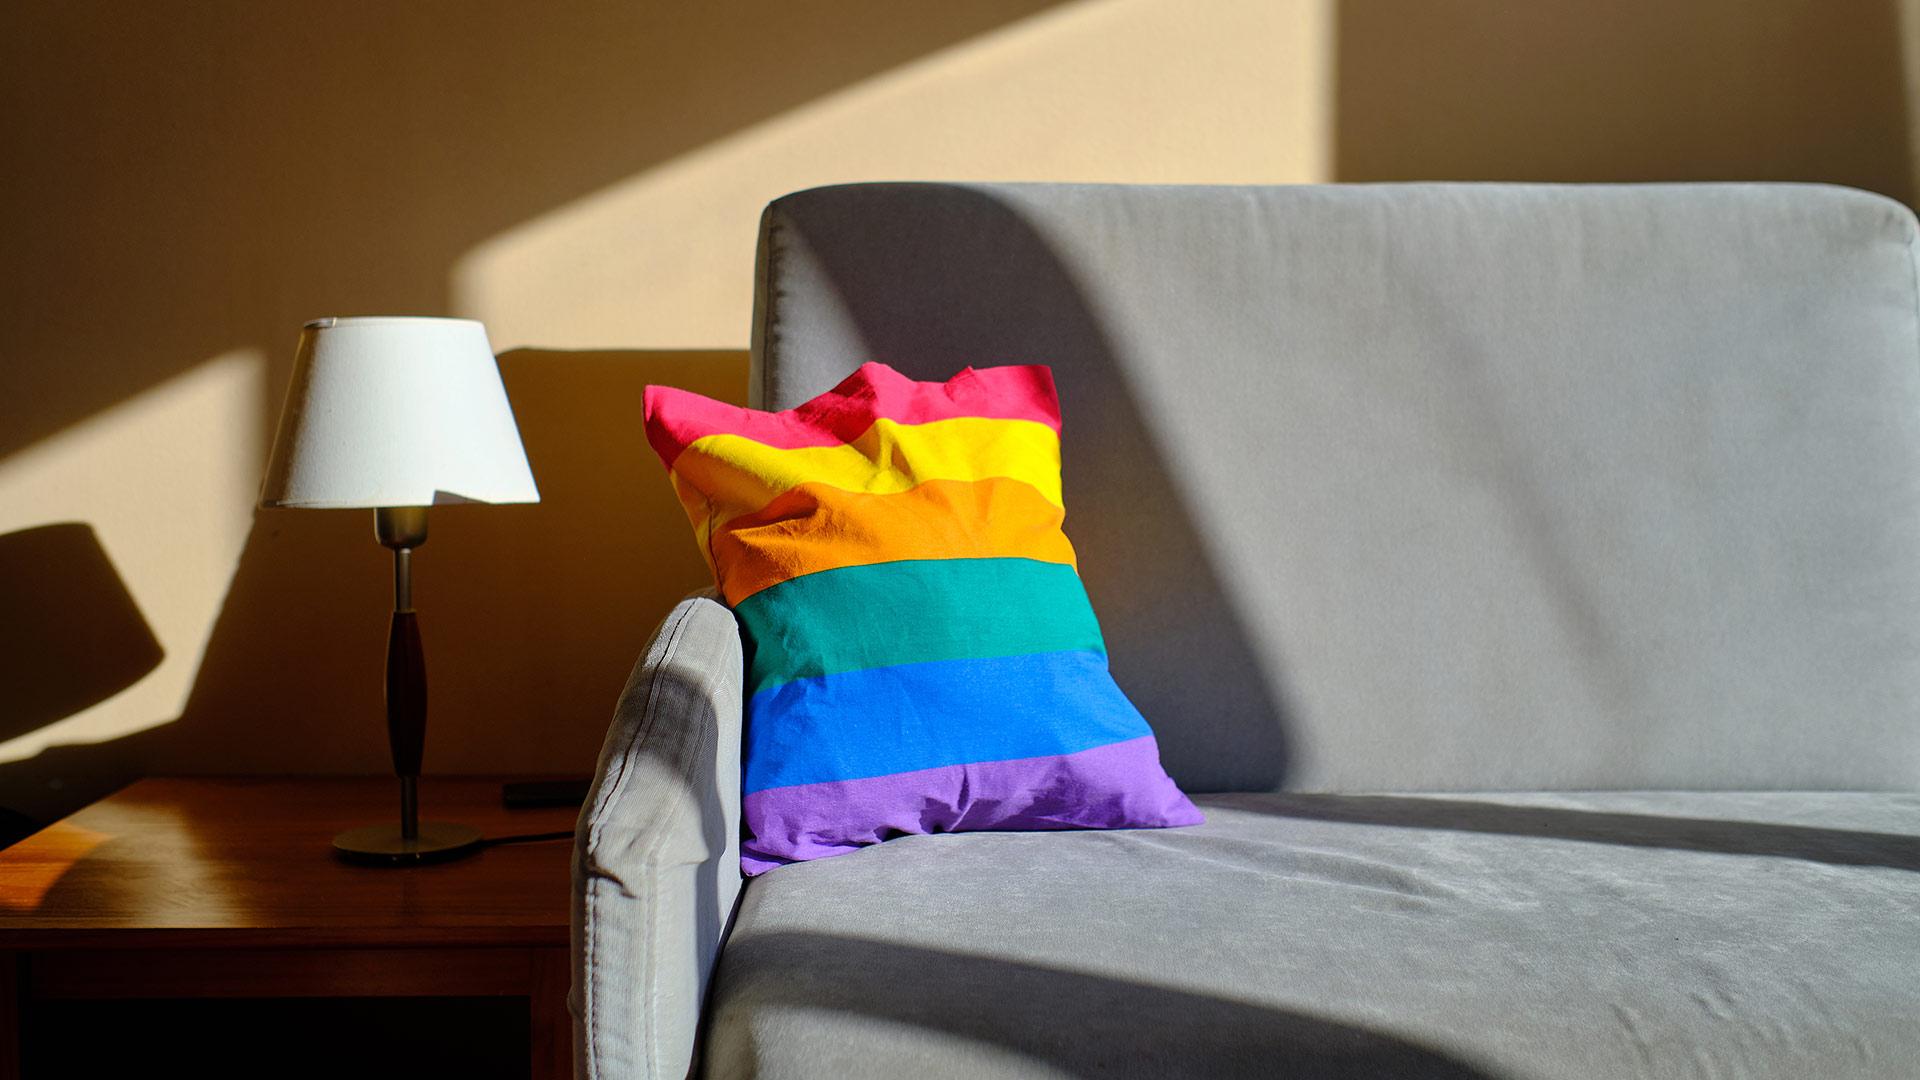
(406, 693)
(403, 579)
(403, 529)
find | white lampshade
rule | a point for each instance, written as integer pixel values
(394, 410)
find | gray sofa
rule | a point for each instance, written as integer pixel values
(1525, 579)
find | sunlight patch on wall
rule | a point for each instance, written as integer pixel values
(167, 480)
(1103, 90)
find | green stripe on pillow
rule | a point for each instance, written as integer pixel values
(913, 611)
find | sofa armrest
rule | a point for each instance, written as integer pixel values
(656, 863)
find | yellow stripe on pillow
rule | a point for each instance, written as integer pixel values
(743, 476)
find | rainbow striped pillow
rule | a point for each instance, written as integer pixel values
(921, 655)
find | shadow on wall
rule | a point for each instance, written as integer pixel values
(1635, 90)
(200, 180)
(531, 615)
(244, 218)
(71, 635)
(219, 173)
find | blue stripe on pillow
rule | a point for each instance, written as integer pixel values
(878, 721)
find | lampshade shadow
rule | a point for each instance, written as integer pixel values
(71, 635)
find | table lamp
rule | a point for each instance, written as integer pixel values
(396, 414)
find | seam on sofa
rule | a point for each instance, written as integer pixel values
(676, 620)
(590, 889)
(651, 913)
(708, 734)
(1913, 271)
(590, 1015)
(677, 623)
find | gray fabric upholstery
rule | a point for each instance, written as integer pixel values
(656, 866)
(1523, 937)
(1435, 487)
(1440, 486)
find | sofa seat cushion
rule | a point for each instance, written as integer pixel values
(1595, 935)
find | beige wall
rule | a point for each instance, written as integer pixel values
(187, 182)
(1624, 90)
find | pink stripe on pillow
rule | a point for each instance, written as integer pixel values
(676, 418)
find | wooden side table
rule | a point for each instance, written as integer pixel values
(227, 887)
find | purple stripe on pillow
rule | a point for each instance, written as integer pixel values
(1116, 786)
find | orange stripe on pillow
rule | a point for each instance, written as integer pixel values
(815, 527)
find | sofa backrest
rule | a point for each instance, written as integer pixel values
(1439, 486)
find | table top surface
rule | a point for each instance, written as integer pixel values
(248, 861)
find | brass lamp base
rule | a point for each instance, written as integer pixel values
(382, 845)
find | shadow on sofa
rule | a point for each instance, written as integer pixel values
(1078, 1022)
(1835, 847)
(900, 308)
